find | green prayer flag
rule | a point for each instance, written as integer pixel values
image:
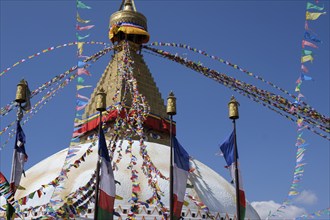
(82, 5)
(31, 195)
(307, 52)
(80, 80)
(312, 6)
(81, 37)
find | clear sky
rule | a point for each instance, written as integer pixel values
(263, 37)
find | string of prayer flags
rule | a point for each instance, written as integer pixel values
(51, 94)
(48, 50)
(300, 141)
(56, 201)
(235, 66)
(274, 102)
(325, 212)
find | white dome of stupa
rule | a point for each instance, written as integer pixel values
(208, 186)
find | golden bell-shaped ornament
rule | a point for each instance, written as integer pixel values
(101, 104)
(233, 108)
(21, 95)
(171, 104)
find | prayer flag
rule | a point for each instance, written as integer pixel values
(81, 37)
(82, 97)
(227, 148)
(180, 177)
(80, 80)
(80, 48)
(19, 158)
(79, 19)
(304, 77)
(81, 64)
(79, 108)
(312, 6)
(307, 43)
(304, 68)
(81, 103)
(313, 15)
(107, 190)
(310, 36)
(307, 58)
(82, 87)
(307, 52)
(82, 71)
(84, 28)
(306, 26)
(82, 5)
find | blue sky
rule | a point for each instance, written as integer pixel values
(263, 37)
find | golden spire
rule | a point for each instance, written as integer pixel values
(137, 31)
(127, 5)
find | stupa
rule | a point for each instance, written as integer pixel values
(206, 186)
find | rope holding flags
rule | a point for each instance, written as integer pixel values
(51, 93)
(301, 145)
(48, 50)
(315, 214)
(274, 102)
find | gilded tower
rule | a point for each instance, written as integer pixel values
(128, 25)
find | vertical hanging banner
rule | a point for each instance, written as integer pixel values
(180, 177)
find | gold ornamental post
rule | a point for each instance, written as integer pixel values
(100, 106)
(171, 110)
(233, 114)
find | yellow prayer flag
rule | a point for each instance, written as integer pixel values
(293, 193)
(80, 47)
(306, 58)
(79, 19)
(313, 15)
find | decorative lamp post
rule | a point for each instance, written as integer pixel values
(233, 114)
(171, 110)
(100, 106)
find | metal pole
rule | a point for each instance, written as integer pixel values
(96, 209)
(236, 174)
(171, 172)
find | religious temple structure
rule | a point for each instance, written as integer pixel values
(209, 196)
